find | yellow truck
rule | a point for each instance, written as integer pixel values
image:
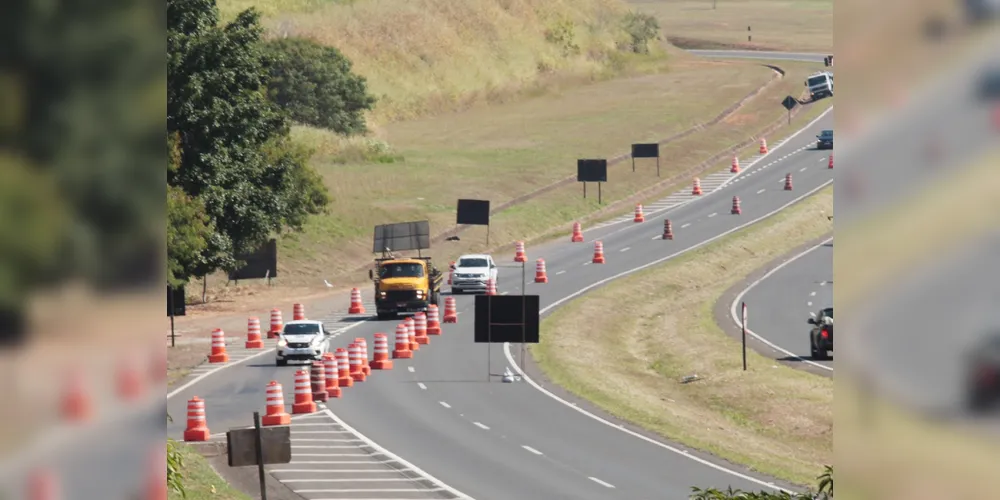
(405, 285)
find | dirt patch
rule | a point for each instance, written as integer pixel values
(664, 330)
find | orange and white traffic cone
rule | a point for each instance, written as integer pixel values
(402, 350)
(253, 334)
(830, 163)
(519, 255)
(330, 376)
(450, 310)
(451, 271)
(668, 230)
(420, 328)
(577, 233)
(357, 367)
(357, 307)
(76, 403)
(363, 344)
(540, 275)
(129, 382)
(276, 324)
(303, 394)
(735, 169)
(298, 312)
(43, 485)
(696, 189)
(276, 414)
(381, 360)
(491, 287)
(197, 425)
(344, 378)
(736, 206)
(788, 182)
(411, 332)
(219, 354)
(317, 381)
(433, 320)
(763, 146)
(598, 252)
(638, 214)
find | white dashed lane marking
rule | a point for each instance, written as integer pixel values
(481, 426)
(761, 191)
(411, 369)
(625, 249)
(421, 385)
(685, 225)
(536, 452)
(713, 214)
(446, 405)
(560, 272)
(602, 483)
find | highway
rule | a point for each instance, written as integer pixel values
(780, 302)
(444, 413)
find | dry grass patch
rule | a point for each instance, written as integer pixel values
(775, 419)
(784, 25)
(509, 151)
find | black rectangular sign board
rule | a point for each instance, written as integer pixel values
(402, 236)
(646, 150)
(473, 212)
(506, 318)
(176, 301)
(261, 264)
(592, 170)
(242, 445)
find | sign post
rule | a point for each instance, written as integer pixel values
(744, 336)
(789, 103)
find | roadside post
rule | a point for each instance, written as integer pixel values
(259, 446)
(744, 336)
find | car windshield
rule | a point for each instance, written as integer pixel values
(408, 270)
(828, 312)
(473, 262)
(301, 329)
(817, 80)
(826, 134)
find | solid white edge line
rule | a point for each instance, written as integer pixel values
(678, 451)
(736, 317)
(205, 375)
(743, 171)
(397, 458)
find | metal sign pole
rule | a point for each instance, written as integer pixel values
(744, 336)
(170, 301)
(599, 193)
(524, 333)
(260, 455)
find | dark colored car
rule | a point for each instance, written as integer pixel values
(821, 335)
(983, 374)
(824, 140)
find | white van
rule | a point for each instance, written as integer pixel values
(820, 85)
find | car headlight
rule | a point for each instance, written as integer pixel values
(382, 294)
(420, 293)
(282, 343)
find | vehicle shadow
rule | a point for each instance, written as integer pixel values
(800, 359)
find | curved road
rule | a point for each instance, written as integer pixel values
(779, 303)
(494, 440)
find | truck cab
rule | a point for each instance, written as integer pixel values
(821, 334)
(820, 85)
(404, 285)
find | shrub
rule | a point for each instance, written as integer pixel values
(641, 29)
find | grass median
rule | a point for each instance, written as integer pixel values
(201, 481)
(773, 418)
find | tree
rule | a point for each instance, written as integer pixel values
(641, 28)
(232, 151)
(314, 83)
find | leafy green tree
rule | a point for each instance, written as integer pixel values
(641, 28)
(314, 83)
(233, 155)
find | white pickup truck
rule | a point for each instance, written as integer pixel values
(820, 85)
(472, 272)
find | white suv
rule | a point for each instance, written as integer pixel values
(472, 272)
(302, 340)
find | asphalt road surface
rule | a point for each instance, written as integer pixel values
(445, 413)
(779, 304)
(753, 54)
